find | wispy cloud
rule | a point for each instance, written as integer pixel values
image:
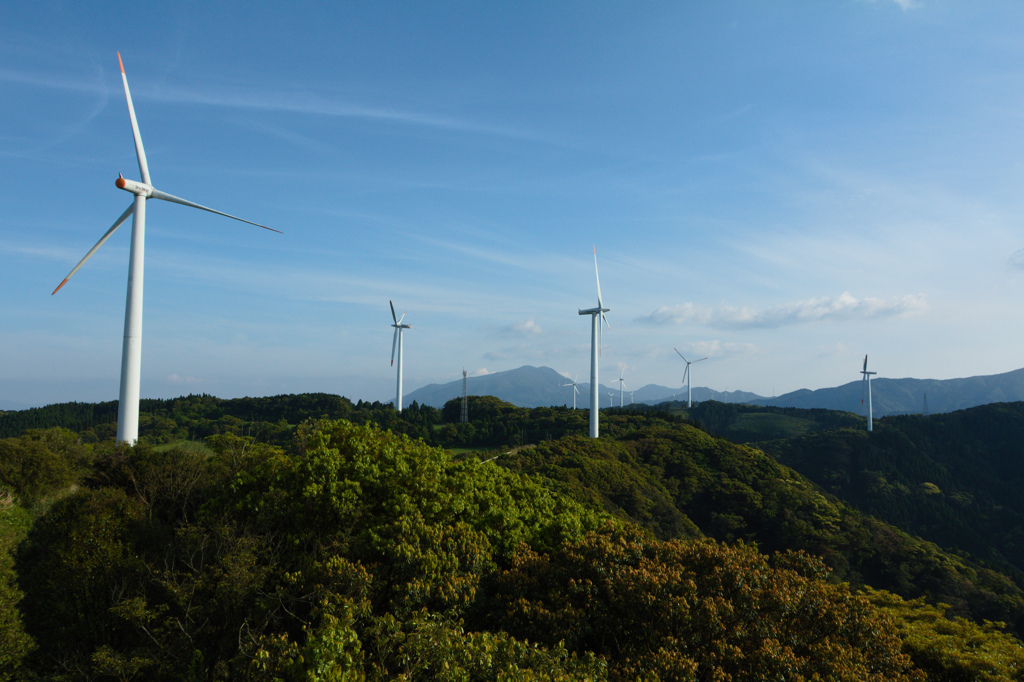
(1017, 259)
(842, 307)
(907, 5)
(308, 102)
(526, 328)
(717, 349)
(298, 101)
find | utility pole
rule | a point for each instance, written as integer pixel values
(464, 419)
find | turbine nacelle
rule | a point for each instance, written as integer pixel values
(137, 188)
(595, 311)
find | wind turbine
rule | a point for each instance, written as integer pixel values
(596, 338)
(397, 341)
(622, 385)
(631, 397)
(575, 390)
(866, 386)
(686, 376)
(611, 398)
(131, 350)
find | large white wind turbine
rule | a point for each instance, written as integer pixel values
(596, 338)
(575, 389)
(397, 341)
(686, 376)
(866, 387)
(131, 351)
(622, 385)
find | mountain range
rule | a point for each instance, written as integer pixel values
(907, 396)
(530, 386)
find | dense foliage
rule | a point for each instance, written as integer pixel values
(339, 550)
(697, 611)
(675, 481)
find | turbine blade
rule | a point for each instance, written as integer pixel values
(402, 317)
(157, 194)
(394, 343)
(105, 237)
(599, 303)
(393, 316)
(681, 355)
(696, 361)
(576, 389)
(686, 373)
(139, 151)
(865, 363)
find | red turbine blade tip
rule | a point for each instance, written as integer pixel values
(59, 286)
(120, 62)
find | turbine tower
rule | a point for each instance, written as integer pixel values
(398, 341)
(131, 350)
(622, 385)
(686, 376)
(575, 390)
(866, 386)
(597, 315)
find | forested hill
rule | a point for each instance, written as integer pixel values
(955, 478)
(251, 545)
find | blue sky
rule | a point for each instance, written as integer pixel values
(780, 186)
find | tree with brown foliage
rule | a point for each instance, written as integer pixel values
(696, 611)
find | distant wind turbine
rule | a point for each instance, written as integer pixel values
(575, 390)
(866, 388)
(611, 398)
(686, 376)
(131, 350)
(631, 397)
(622, 385)
(597, 315)
(397, 341)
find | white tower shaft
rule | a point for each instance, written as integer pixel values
(131, 350)
(867, 386)
(595, 407)
(398, 388)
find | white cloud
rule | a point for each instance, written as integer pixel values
(677, 314)
(526, 328)
(842, 307)
(178, 379)
(483, 371)
(716, 349)
(907, 5)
